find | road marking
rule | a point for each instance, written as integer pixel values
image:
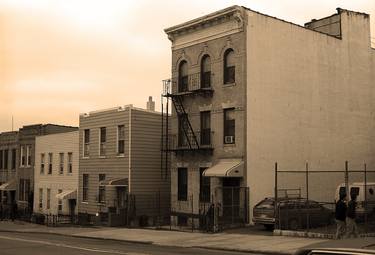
(71, 246)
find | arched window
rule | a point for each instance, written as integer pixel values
(183, 77)
(229, 67)
(206, 72)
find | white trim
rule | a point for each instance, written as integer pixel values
(130, 144)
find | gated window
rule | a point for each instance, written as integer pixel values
(183, 78)
(48, 198)
(103, 141)
(182, 184)
(229, 67)
(14, 155)
(50, 156)
(6, 155)
(101, 197)
(206, 72)
(61, 169)
(206, 128)
(42, 158)
(24, 190)
(121, 140)
(86, 143)
(59, 202)
(85, 187)
(40, 198)
(229, 126)
(70, 162)
(205, 187)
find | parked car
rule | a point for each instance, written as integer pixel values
(291, 213)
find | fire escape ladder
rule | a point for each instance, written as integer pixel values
(186, 125)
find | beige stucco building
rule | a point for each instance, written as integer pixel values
(56, 174)
(250, 90)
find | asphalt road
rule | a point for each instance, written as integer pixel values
(46, 244)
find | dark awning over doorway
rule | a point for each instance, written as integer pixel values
(9, 186)
(119, 182)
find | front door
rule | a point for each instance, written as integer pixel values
(72, 208)
(231, 199)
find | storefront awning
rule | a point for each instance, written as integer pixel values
(67, 194)
(119, 182)
(226, 168)
(8, 186)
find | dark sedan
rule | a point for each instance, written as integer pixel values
(291, 213)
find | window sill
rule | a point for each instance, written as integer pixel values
(102, 156)
(120, 156)
(229, 145)
(69, 174)
(229, 84)
(85, 157)
(85, 202)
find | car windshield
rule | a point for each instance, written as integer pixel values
(266, 204)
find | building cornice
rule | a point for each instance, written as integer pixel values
(234, 12)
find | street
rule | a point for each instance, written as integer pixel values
(40, 244)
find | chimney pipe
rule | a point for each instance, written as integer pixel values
(150, 104)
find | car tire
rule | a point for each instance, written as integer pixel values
(269, 226)
(293, 224)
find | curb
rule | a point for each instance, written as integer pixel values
(75, 236)
(278, 232)
(245, 250)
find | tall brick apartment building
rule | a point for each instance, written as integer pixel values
(249, 89)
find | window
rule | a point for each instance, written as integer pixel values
(205, 187)
(61, 168)
(121, 139)
(101, 197)
(182, 126)
(59, 202)
(229, 67)
(28, 155)
(206, 72)
(70, 162)
(86, 143)
(103, 140)
(40, 198)
(42, 159)
(205, 128)
(24, 190)
(14, 155)
(229, 126)
(48, 198)
(6, 156)
(50, 156)
(1, 159)
(23, 157)
(183, 78)
(182, 184)
(85, 187)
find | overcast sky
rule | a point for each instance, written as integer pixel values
(61, 58)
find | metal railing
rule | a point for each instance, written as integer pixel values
(188, 84)
(180, 142)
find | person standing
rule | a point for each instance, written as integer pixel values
(340, 215)
(351, 225)
(1, 211)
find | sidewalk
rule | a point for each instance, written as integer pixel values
(220, 241)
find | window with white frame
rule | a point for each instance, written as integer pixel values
(85, 187)
(70, 162)
(28, 155)
(103, 141)
(23, 156)
(48, 198)
(86, 143)
(120, 140)
(42, 159)
(40, 198)
(59, 202)
(101, 195)
(50, 158)
(61, 163)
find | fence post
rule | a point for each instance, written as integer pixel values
(346, 178)
(192, 213)
(307, 194)
(365, 205)
(275, 212)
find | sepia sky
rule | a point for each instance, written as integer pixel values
(61, 58)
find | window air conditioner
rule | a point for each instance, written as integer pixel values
(229, 139)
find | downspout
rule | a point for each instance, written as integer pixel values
(130, 145)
